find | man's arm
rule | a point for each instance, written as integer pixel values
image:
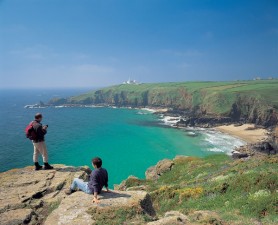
(106, 181)
(40, 130)
(94, 185)
(95, 199)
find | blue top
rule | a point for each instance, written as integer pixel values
(98, 179)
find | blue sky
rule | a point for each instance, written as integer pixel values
(88, 43)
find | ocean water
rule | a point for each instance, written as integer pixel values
(129, 141)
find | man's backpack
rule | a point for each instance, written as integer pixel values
(30, 131)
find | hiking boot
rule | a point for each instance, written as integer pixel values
(47, 166)
(37, 166)
(68, 192)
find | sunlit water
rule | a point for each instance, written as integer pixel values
(128, 141)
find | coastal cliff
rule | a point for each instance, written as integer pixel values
(185, 190)
(198, 102)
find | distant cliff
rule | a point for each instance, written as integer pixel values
(247, 101)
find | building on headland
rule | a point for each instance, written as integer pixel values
(257, 78)
(260, 78)
(129, 81)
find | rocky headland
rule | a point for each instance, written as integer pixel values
(202, 104)
(185, 190)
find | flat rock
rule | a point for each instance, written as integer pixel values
(24, 189)
(78, 207)
(18, 216)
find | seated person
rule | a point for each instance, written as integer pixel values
(98, 179)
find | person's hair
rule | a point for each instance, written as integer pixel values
(97, 162)
(38, 116)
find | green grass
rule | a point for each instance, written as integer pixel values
(253, 101)
(119, 216)
(241, 192)
(216, 98)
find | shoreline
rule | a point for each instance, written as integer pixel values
(246, 132)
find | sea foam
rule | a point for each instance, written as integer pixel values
(216, 141)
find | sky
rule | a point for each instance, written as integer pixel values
(90, 43)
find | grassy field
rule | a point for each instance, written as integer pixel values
(191, 87)
(239, 192)
(251, 101)
(198, 92)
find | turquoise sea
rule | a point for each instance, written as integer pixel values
(128, 140)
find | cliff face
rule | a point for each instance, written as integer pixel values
(249, 101)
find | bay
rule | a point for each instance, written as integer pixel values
(129, 141)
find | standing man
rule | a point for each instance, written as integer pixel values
(39, 143)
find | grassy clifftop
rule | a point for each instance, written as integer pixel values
(255, 101)
(234, 191)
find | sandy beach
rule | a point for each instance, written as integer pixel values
(245, 132)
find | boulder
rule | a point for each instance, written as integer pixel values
(79, 209)
(26, 194)
(151, 173)
(131, 181)
(206, 217)
(154, 172)
(239, 155)
(171, 218)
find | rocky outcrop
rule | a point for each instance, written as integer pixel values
(79, 209)
(204, 121)
(37, 197)
(239, 155)
(27, 196)
(171, 218)
(264, 147)
(206, 217)
(132, 183)
(193, 218)
(154, 172)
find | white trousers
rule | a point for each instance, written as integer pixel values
(40, 148)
